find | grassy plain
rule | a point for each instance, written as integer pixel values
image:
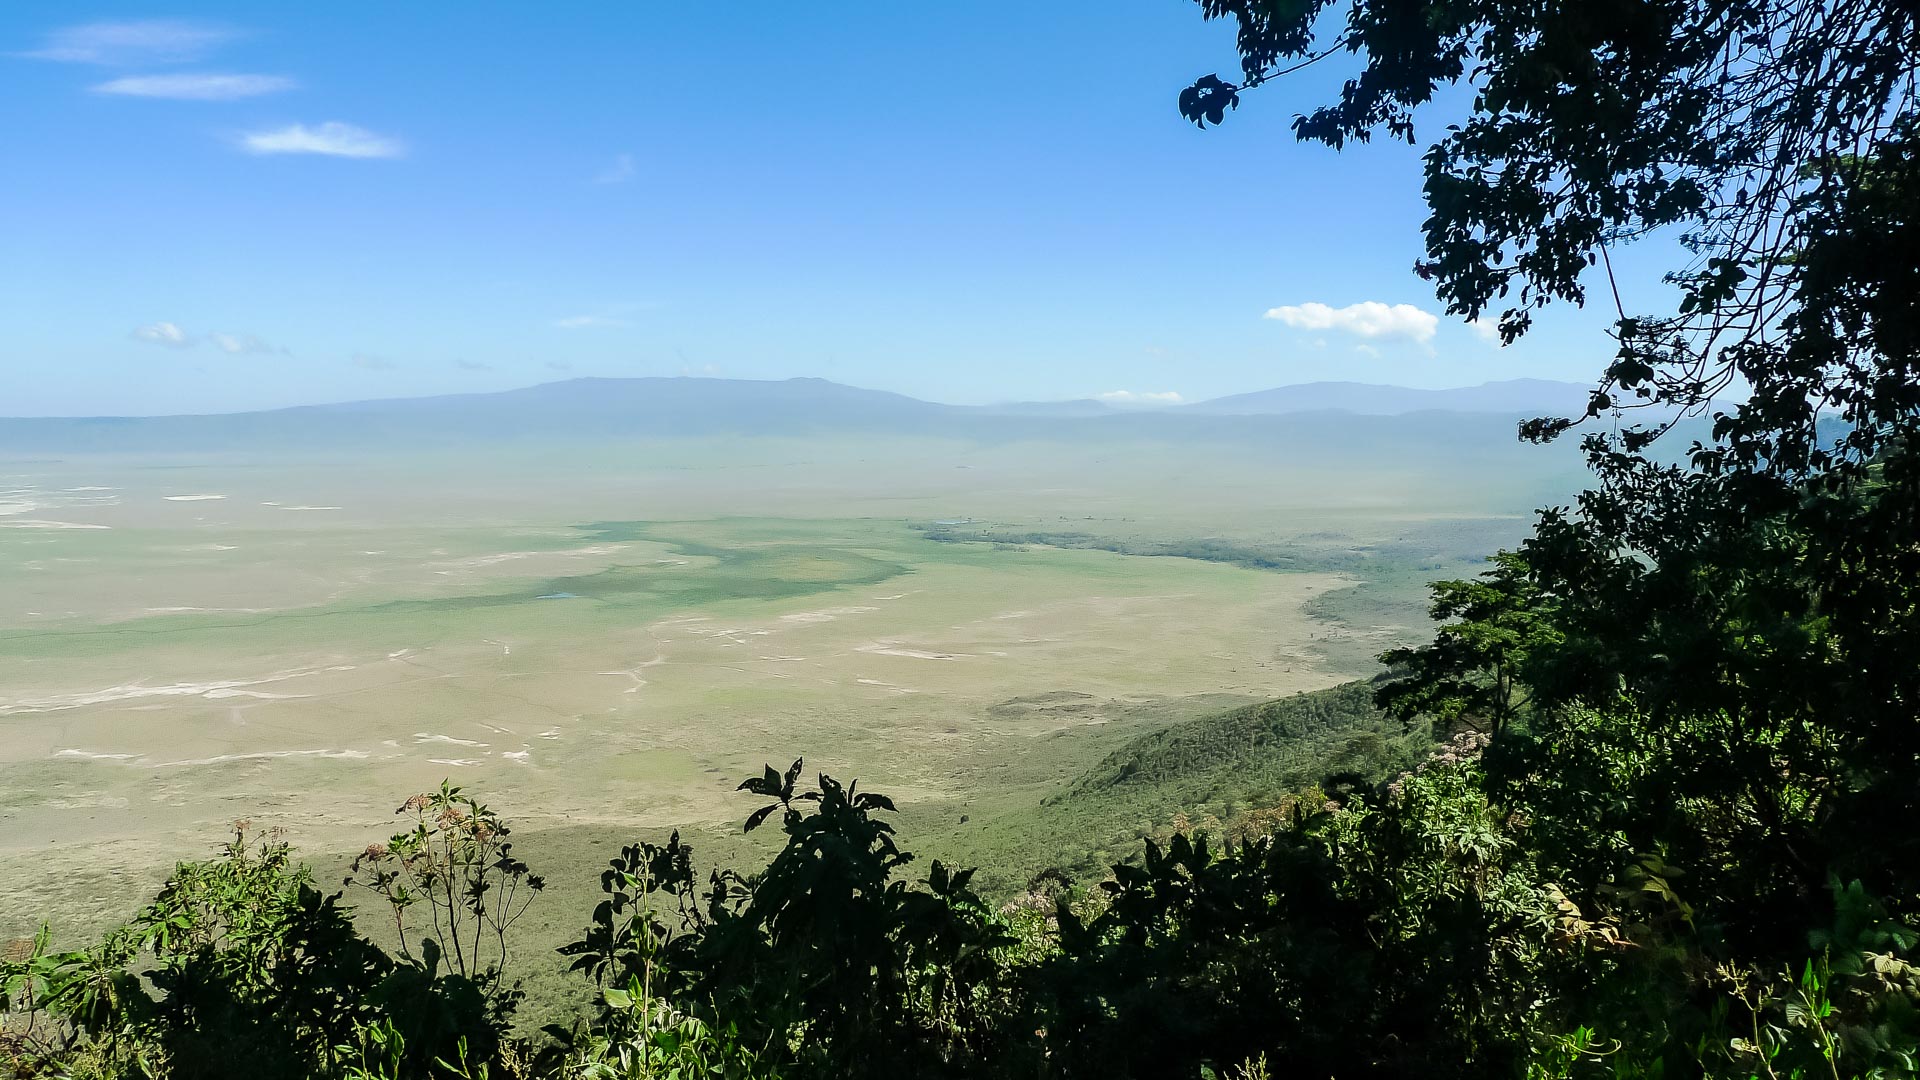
(603, 639)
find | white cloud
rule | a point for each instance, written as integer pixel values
(238, 344)
(331, 138)
(1367, 350)
(472, 365)
(1140, 397)
(164, 333)
(1489, 331)
(372, 363)
(196, 87)
(559, 365)
(1367, 319)
(603, 315)
(133, 41)
(619, 172)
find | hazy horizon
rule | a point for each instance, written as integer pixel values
(1112, 406)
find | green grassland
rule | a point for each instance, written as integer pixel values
(604, 640)
(635, 692)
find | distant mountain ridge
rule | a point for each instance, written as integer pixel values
(664, 396)
(602, 408)
(1534, 396)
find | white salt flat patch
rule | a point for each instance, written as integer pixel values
(478, 561)
(193, 498)
(423, 737)
(268, 755)
(49, 525)
(178, 610)
(895, 596)
(260, 694)
(824, 614)
(887, 686)
(521, 757)
(490, 560)
(731, 632)
(265, 755)
(464, 763)
(135, 691)
(883, 648)
(548, 735)
(633, 675)
(310, 508)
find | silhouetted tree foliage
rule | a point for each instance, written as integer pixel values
(1707, 660)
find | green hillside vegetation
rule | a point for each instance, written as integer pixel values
(1263, 750)
(1211, 772)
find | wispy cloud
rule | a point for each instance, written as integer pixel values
(122, 43)
(605, 315)
(1367, 351)
(559, 365)
(1488, 332)
(332, 138)
(1140, 397)
(239, 344)
(619, 172)
(372, 363)
(1368, 319)
(164, 333)
(472, 365)
(196, 87)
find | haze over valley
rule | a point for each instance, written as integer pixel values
(602, 601)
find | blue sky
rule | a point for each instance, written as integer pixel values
(209, 207)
